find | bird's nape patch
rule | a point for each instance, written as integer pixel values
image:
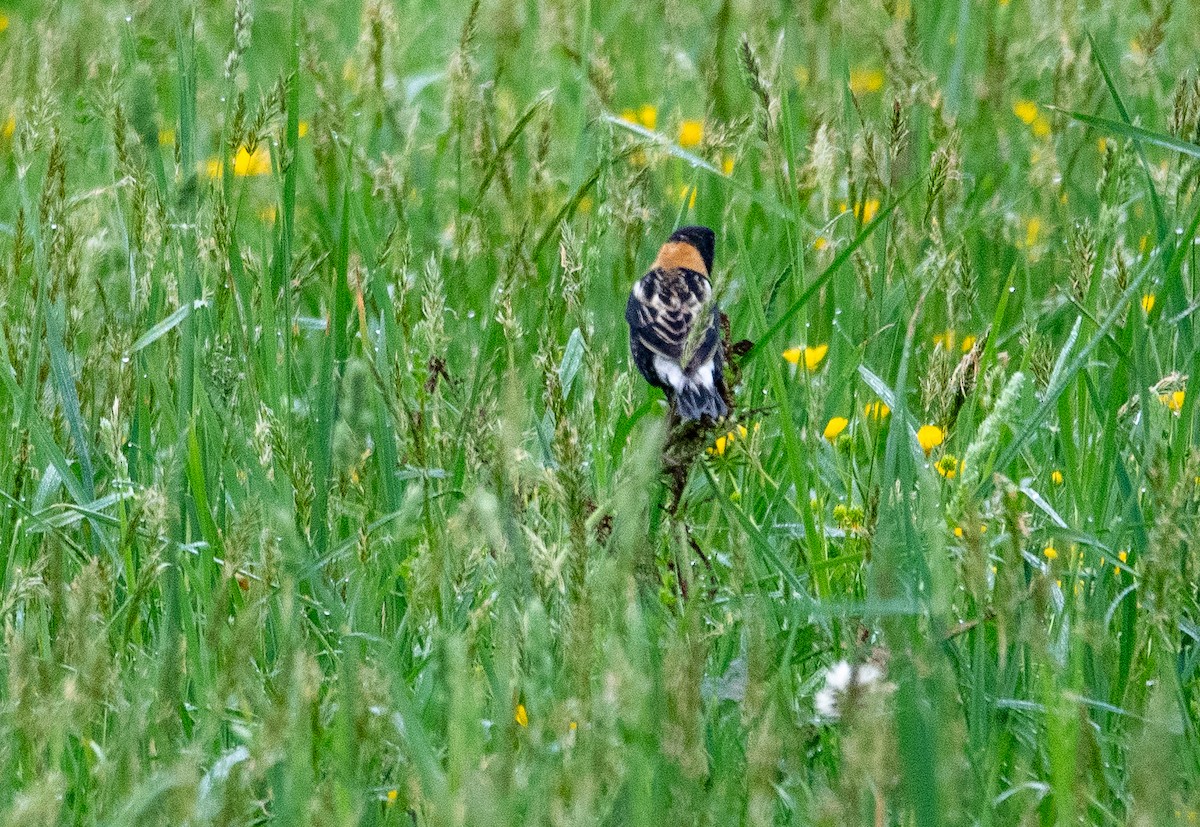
(680, 255)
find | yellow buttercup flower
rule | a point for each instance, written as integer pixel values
(1026, 110)
(968, 342)
(1033, 229)
(1056, 477)
(392, 795)
(727, 165)
(812, 355)
(247, 163)
(647, 116)
(1148, 303)
(948, 466)
(691, 133)
(521, 716)
(1173, 400)
(629, 116)
(876, 410)
(722, 443)
(1050, 552)
(866, 211)
(834, 427)
(821, 242)
(864, 81)
(930, 437)
(945, 339)
(302, 129)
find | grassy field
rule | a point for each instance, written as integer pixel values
(329, 494)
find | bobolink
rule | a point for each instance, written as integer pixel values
(671, 325)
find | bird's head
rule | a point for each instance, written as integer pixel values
(701, 238)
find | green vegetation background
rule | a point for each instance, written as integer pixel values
(328, 494)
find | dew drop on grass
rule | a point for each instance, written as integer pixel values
(470, 314)
(1012, 289)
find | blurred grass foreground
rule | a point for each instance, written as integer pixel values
(329, 495)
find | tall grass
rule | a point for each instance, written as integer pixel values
(328, 493)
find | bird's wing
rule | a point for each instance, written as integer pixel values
(662, 320)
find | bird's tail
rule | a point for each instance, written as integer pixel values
(697, 400)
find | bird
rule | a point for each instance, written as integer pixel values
(674, 333)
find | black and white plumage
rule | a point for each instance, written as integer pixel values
(665, 306)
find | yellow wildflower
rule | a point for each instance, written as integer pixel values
(968, 342)
(691, 133)
(864, 81)
(302, 129)
(10, 126)
(1173, 400)
(1123, 556)
(521, 716)
(835, 427)
(812, 355)
(629, 116)
(1056, 477)
(930, 437)
(247, 163)
(648, 116)
(1041, 127)
(866, 211)
(3, 22)
(720, 444)
(727, 165)
(958, 532)
(166, 137)
(1033, 228)
(687, 195)
(948, 466)
(392, 795)
(1050, 552)
(944, 339)
(1026, 110)
(1148, 303)
(876, 410)
(821, 242)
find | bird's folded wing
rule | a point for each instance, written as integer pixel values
(664, 327)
